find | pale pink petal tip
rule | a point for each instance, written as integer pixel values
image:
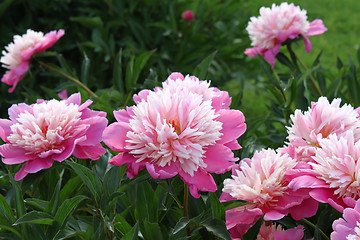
(183, 128)
(48, 131)
(17, 55)
(347, 227)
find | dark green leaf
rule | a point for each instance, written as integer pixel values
(201, 70)
(11, 229)
(283, 59)
(146, 203)
(54, 202)
(117, 73)
(66, 210)
(35, 218)
(133, 234)
(339, 63)
(217, 209)
(180, 225)
(85, 67)
(140, 64)
(111, 180)
(37, 203)
(218, 228)
(19, 201)
(92, 182)
(88, 21)
(150, 231)
(5, 210)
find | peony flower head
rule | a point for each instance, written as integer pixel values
(188, 15)
(184, 128)
(347, 227)
(321, 120)
(17, 55)
(273, 232)
(277, 24)
(262, 182)
(48, 131)
(334, 174)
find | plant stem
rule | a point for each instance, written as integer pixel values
(70, 78)
(313, 226)
(186, 201)
(314, 82)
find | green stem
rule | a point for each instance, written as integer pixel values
(70, 78)
(313, 226)
(314, 82)
(186, 201)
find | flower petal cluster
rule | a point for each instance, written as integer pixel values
(262, 182)
(277, 24)
(347, 227)
(273, 232)
(184, 128)
(17, 55)
(48, 131)
(334, 173)
(321, 120)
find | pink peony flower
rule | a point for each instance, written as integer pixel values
(185, 128)
(321, 120)
(17, 55)
(261, 181)
(347, 227)
(188, 15)
(273, 232)
(277, 24)
(49, 131)
(334, 173)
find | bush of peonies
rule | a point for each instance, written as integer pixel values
(184, 130)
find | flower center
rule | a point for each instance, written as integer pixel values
(46, 127)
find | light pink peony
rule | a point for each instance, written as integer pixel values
(262, 182)
(347, 227)
(334, 174)
(277, 24)
(185, 128)
(273, 232)
(48, 131)
(321, 120)
(17, 55)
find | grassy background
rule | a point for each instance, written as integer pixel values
(340, 17)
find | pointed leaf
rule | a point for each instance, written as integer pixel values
(5, 210)
(133, 234)
(35, 218)
(218, 228)
(202, 69)
(180, 225)
(66, 210)
(92, 182)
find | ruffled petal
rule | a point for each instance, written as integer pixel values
(201, 181)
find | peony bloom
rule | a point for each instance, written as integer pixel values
(321, 120)
(48, 131)
(185, 128)
(277, 24)
(188, 15)
(261, 181)
(17, 55)
(347, 227)
(273, 232)
(334, 174)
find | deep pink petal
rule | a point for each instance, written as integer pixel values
(92, 152)
(273, 215)
(167, 171)
(270, 54)
(239, 220)
(307, 43)
(233, 145)
(307, 181)
(327, 196)
(233, 125)
(20, 174)
(5, 130)
(95, 131)
(122, 116)
(226, 197)
(14, 155)
(114, 136)
(219, 159)
(290, 234)
(14, 76)
(142, 95)
(308, 208)
(316, 27)
(36, 165)
(201, 181)
(74, 99)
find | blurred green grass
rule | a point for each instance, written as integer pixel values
(342, 19)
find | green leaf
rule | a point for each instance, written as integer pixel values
(283, 59)
(129, 74)
(37, 203)
(92, 182)
(19, 201)
(133, 234)
(5, 210)
(88, 21)
(339, 63)
(140, 64)
(111, 180)
(180, 225)
(11, 229)
(66, 210)
(217, 209)
(54, 202)
(71, 187)
(117, 73)
(35, 217)
(218, 228)
(146, 203)
(201, 70)
(150, 230)
(85, 68)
